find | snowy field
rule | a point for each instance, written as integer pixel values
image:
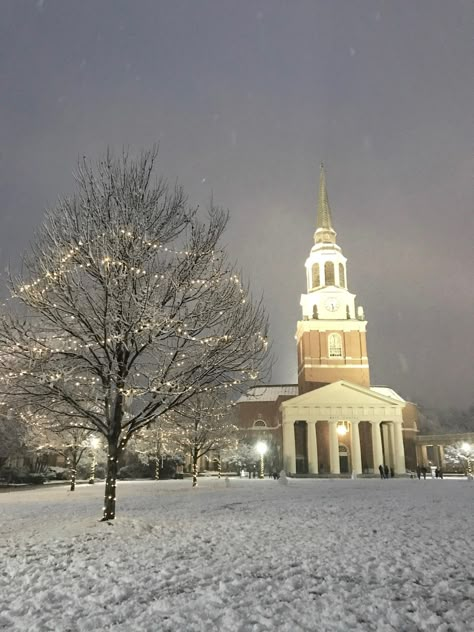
(323, 555)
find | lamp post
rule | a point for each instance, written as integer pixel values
(261, 448)
(94, 443)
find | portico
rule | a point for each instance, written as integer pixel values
(357, 428)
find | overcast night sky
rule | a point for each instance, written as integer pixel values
(245, 98)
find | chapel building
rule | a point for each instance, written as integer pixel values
(333, 421)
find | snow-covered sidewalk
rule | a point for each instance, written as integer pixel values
(317, 555)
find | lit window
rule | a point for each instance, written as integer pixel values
(335, 346)
(329, 273)
(315, 275)
(342, 276)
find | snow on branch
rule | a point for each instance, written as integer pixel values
(128, 306)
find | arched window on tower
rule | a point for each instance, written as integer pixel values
(259, 423)
(329, 273)
(316, 278)
(335, 346)
(342, 276)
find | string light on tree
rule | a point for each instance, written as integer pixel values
(135, 309)
(94, 443)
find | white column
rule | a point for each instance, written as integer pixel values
(391, 432)
(386, 445)
(399, 448)
(442, 463)
(334, 466)
(355, 448)
(289, 449)
(377, 445)
(312, 448)
(424, 455)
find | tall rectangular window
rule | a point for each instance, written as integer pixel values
(335, 346)
(315, 276)
(329, 273)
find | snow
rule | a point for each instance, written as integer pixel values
(246, 556)
(387, 392)
(269, 393)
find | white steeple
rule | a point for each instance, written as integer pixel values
(331, 336)
(327, 295)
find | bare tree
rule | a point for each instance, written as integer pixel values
(242, 456)
(153, 444)
(131, 307)
(203, 425)
(70, 443)
(13, 435)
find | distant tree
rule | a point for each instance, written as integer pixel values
(154, 445)
(13, 437)
(244, 455)
(437, 421)
(241, 456)
(455, 420)
(72, 444)
(429, 421)
(203, 425)
(461, 454)
(127, 308)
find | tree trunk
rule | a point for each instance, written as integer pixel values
(195, 467)
(73, 479)
(73, 471)
(92, 472)
(111, 481)
(218, 466)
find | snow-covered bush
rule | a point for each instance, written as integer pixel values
(135, 470)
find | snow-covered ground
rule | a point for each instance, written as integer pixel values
(317, 555)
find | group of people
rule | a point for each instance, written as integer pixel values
(422, 470)
(386, 472)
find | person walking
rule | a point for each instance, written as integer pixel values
(382, 471)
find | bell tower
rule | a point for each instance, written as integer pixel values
(331, 337)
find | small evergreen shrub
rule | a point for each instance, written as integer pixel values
(134, 470)
(13, 475)
(35, 478)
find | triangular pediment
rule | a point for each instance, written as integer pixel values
(342, 393)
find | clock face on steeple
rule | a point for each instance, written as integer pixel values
(331, 304)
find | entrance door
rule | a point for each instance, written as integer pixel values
(343, 459)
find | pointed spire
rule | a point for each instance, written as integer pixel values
(324, 211)
(324, 229)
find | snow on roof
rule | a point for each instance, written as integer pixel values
(272, 392)
(387, 392)
(269, 393)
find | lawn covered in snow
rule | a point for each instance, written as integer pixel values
(316, 555)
